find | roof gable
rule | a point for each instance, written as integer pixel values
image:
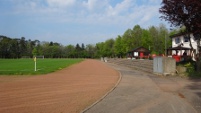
(179, 34)
(140, 49)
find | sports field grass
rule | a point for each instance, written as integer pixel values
(26, 66)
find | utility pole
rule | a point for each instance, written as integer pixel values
(165, 44)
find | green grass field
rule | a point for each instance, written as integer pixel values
(26, 66)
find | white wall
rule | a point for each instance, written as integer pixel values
(185, 44)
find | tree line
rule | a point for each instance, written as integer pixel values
(154, 38)
(22, 48)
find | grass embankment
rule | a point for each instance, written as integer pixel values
(26, 66)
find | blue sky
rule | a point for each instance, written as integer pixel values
(75, 21)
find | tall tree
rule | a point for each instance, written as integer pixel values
(90, 50)
(137, 35)
(14, 49)
(183, 13)
(5, 47)
(154, 34)
(70, 51)
(23, 47)
(77, 47)
(108, 48)
(128, 40)
(118, 47)
(83, 46)
(100, 50)
(146, 39)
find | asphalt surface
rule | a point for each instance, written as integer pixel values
(140, 92)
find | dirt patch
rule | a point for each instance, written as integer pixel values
(181, 95)
(67, 91)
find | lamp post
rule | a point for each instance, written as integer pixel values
(165, 44)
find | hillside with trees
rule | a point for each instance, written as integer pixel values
(154, 38)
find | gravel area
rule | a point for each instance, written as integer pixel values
(66, 91)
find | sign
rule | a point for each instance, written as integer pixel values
(34, 59)
(35, 63)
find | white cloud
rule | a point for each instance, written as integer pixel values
(60, 3)
(155, 1)
(101, 12)
(94, 6)
(90, 11)
(119, 8)
(90, 4)
(144, 13)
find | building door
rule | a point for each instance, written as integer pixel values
(141, 54)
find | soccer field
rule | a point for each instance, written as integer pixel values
(27, 66)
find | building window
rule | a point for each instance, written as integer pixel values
(135, 53)
(186, 39)
(177, 40)
(196, 36)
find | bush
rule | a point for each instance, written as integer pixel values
(191, 68)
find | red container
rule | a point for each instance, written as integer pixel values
(177, 58)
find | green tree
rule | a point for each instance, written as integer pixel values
(146, 39)
(34, 52)
(100, 50)
(14, 48)
(23, 47)
(118, 47)
(154, 47)
(127, 40)
(70, 51)
(90, 51)
(137, 36)
(5, 47)
(108, 48)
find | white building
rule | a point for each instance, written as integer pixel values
(180, 43)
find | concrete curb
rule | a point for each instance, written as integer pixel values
(86, 109)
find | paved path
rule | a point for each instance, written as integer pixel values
(140, 92)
